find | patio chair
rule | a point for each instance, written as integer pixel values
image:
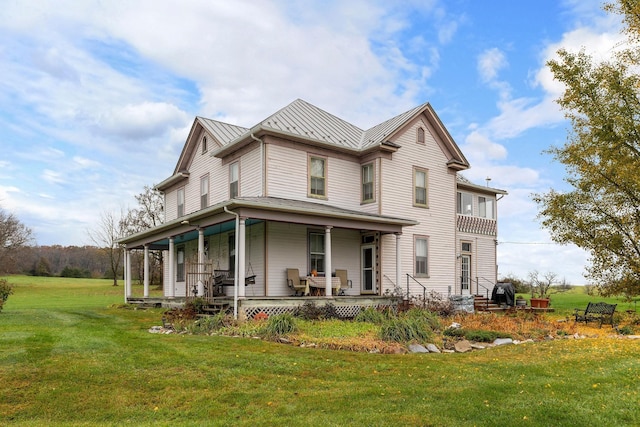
(345, 283)
(293, 281)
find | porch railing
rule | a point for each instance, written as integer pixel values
(424, 289)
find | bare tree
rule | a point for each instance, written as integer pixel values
(106, 236)
(13, 235)
(148, 214)
(541, 285)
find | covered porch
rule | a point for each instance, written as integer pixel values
(240, 251)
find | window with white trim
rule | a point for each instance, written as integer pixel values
(234, 178)
(465, 203)
(367, 183)
(204, 191)
(486, 207)
(421, 249)
(317, 176)
(180, 264)
(204, 144)
(420, 180)
(180, 201)
(316, 252)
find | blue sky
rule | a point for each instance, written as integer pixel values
(97, 98)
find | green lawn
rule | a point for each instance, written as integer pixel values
(70, 356)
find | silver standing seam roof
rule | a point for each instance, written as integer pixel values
(305, 120)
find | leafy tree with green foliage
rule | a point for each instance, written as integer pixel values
(601, 211)
(6, 289)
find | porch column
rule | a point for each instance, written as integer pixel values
(127, 273)
(171, 292)
(146, 271)
(398, 260)
(200, 261)
(327, 262)
(240, 256)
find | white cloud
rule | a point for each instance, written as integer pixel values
(141, 121)
(490, 62)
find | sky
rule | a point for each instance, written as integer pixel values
(97, 97)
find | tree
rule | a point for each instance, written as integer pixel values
(106, 236)
(13, 235)
(541, 285)
(601, 211)
(148, 214)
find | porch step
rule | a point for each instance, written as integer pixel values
(481, 303)
(215, 307)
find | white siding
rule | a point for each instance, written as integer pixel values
(289, 249)
(437, 222)
(287, 176)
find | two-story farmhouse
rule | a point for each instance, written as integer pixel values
(251, 213)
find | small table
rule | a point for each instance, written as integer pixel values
(319, 284)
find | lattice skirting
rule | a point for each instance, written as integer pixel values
(344, 311)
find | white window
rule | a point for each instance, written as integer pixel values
(421, 256)
(317, 177)
(234, 174)
(180, 201)
(204, 191)
(316, 252)
(486, 207)
(420, 187)
(204, 144)
(180, 264)
(367, 183)
(465, 204)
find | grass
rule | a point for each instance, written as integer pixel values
(69, 357)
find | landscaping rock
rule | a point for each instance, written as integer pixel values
(455, 325)
(633, 337)
(417, 348)
(477, 346)
(448, 351)
(502, 341)
(432, 348)
(463, 346)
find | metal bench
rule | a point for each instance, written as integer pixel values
(596, 312)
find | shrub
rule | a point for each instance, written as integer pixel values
(479, 335)
(439, 304)
(372, 315)
(310, 311)
(279, 325)
(6, 289)
(626, 330)
(208, 324)
(180, 318)
(197, 305)
(430, 318)
(405, 329)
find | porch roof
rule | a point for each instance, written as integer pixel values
(267, 209)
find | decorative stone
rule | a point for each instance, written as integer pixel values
(463, 346)
(448, 351)
(503, 341)
(455, 325)
(417, 348)
(633, 337)
(477, 346)
(432, 348)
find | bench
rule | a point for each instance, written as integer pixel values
(596, 312)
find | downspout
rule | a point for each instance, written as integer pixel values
(262, 165)
(235, 272)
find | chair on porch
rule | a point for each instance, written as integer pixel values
(345, 283)
(293, 281)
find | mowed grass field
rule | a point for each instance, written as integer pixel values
(71, 356)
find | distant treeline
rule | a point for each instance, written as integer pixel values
(72, 261)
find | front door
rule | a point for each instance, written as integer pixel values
(367, 261)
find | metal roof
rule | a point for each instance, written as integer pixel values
(305, 120)
(223, 132)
